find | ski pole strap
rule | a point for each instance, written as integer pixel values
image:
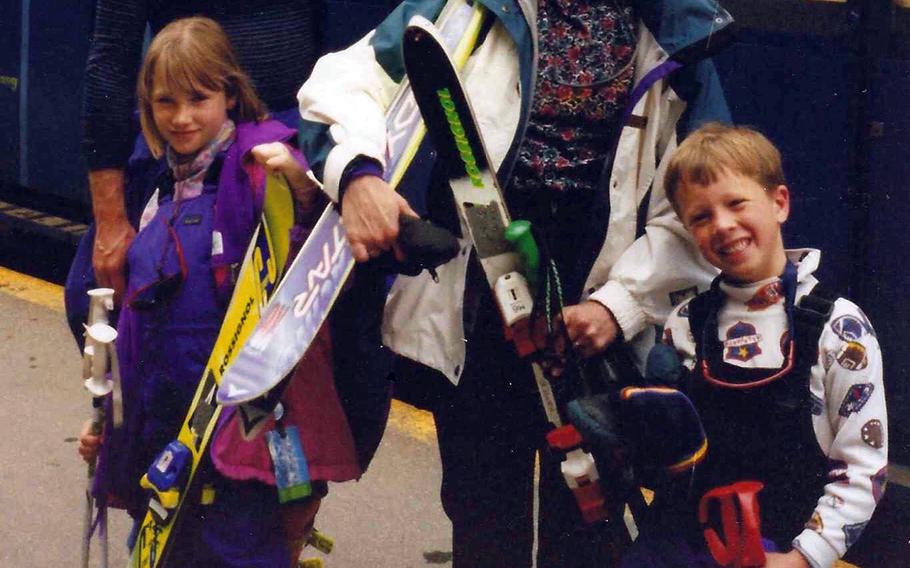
(741, 545)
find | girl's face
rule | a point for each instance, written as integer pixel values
(736, 224)
(188, 121)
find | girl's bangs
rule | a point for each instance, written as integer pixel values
(188, 73)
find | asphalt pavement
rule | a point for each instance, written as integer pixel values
(391, 518)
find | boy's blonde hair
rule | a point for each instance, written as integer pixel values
(707, 152)
(192, 53)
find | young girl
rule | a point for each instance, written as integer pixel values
(200, 112)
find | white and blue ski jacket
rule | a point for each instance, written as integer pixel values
(645, 262)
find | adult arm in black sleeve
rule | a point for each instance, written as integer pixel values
(108, 103)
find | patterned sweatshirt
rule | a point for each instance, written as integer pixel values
(847, 394)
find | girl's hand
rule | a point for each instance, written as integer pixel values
(591, 327)
(89, 444)
(792, 559)
(276, 158)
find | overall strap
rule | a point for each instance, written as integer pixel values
(810, 315)
(700, 308)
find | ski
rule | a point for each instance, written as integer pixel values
(172, 477)
(504, 248)
(308, 291)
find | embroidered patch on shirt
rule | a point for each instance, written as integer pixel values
(684, 311)
(879, 481)
(852, 356)
(816, 405)
(829, 361)
(849, 328)
(679, 296)
(852, 532)
(668, 338)
(742, 342)
(873, 434)
(192, 219)
(815, 523)
(833, 501)
(837, 472)
(856, 398)
(766, 296)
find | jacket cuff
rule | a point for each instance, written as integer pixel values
(361, 166)
(817, 551)
(627, 311)
(341, 156)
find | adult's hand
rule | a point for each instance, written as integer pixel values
(370, 210)
(113, 232)
(591, 327)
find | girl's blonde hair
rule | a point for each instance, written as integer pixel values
(194, 53)
(710, 150)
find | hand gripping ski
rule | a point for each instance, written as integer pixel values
(502, 247)
(305, 297)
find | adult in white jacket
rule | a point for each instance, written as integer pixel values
(580, 103)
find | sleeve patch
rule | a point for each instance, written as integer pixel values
(852, 356)
(850, 328)
(879, 481)
(837, 472)
(816, 405)
(833, 501)
(668, 338)
(873, 434)
(856, 399)
(852, 532)
(815, 523)
(679, 296)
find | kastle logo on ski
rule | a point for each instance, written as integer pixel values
(304, 301)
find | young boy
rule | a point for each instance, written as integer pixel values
(787, 379)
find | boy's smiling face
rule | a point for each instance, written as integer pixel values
(736, 224)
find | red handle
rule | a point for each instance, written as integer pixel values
(741, 545)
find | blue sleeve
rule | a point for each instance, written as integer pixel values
(699, 85)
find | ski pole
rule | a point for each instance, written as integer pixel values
(514, 296)
(99, 338)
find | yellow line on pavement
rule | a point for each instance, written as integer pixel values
(408, 420)
(414, 422)
(31, 289)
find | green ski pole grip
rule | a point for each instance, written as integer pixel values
(519, 234)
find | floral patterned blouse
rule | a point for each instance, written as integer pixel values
(584, 77)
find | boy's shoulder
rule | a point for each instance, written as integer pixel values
(682, 310)
(848, 326)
